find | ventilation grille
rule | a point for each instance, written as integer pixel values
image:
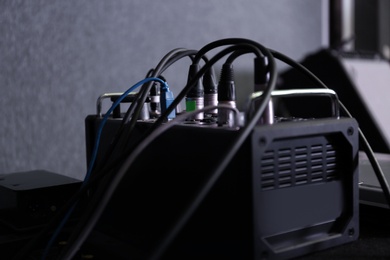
(299, 165)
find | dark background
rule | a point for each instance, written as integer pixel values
(57, 57)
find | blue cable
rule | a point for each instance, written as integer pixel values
(94, 155)
(105, 118)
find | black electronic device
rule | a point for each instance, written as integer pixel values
(214, 182)
(290, 190)
(28, 200)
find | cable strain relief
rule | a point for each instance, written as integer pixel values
(197, 90)
(227, 73)
(209, 82)
(226, 86)
(261, 71)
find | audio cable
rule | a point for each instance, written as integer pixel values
(195, 96)
(226, 93)
(265, 68)
(116, 179)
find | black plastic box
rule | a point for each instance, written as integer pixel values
(291, 190)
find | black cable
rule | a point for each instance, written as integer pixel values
(123, 134)
(166, 62)
(88, 212)
(143, 92)
(165, 66)
(116, 180)
(46, 230)
(184, 91)
(224, 42)
(297, 65)
(145, 89)
(217, 57)
(97, 194)
(217, 173)
(364, 142)
(182, 94)
(183, 54)
(99, 204)
(287, 60)
(235, 55)
(85, 190)
(100, 172)
(28, 248)
(131, 118)
(122, 137)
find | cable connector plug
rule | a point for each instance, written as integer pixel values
(154, 100)
(166, 99)
(261, 81)
(210, 91)
(226, 94)
(195, 97)
(261, 75)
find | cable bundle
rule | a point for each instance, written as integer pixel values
(103, 178)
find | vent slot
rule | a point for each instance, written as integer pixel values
(315, 162)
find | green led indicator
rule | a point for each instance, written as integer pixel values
(190, 105)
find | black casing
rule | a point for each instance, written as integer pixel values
(290, 190)
(29, 200)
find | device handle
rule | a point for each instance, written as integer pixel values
(113, 96)
(304, 92)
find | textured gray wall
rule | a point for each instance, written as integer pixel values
(57, 57)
